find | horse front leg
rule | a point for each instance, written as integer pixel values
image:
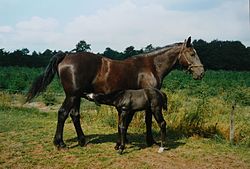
(149, 137)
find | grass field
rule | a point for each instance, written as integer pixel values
(198, 126)
(26, 142)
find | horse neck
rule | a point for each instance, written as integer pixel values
(165, 61)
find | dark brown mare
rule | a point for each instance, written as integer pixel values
(81, 73)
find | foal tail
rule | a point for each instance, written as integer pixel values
(42, 81)
(165, 101)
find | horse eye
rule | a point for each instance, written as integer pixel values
(193, 54)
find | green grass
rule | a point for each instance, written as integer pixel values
(197, 120)
(26, 142)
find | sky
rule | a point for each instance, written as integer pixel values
(59, 24)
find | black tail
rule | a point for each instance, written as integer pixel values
(165, 101)
(42, 81)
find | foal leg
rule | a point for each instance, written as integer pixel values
(161, 123)
(149, 137)
(118, 142)
(122, 124)
(75, 116)
(129, 117)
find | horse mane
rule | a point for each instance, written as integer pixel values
(158, 50)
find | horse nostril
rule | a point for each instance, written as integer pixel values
(201, 75)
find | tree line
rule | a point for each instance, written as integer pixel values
(215, 55)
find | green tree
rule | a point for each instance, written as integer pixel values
(34, 54)
(130, 51)
(47, 52)
(112, 54)
(149, 48)
(82, 46)
(25, 51)
(225, 55)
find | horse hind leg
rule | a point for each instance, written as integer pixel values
(62, 116)
(70, 105)
(75, 116)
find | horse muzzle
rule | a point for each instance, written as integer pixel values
(198, 72)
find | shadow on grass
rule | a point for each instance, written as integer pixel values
(135, 140)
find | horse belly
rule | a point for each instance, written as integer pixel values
(114, 83)
(139, 104)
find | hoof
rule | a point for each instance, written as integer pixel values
(150, 142)
(120, 151)
(59, 144)
(82, 142)
(161, 149)
(117, 146)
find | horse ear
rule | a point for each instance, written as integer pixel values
(188, 44)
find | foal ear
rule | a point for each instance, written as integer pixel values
(188, 44)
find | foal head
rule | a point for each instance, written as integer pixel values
(190, 59)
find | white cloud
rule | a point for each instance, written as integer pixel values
(36, 34)
(37, 24)
(132, 23)
(5, 29)
(118, 27)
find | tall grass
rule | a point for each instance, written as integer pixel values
(203, 107)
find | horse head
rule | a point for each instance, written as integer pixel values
(189, 58)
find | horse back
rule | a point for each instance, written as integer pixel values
(77, 71)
